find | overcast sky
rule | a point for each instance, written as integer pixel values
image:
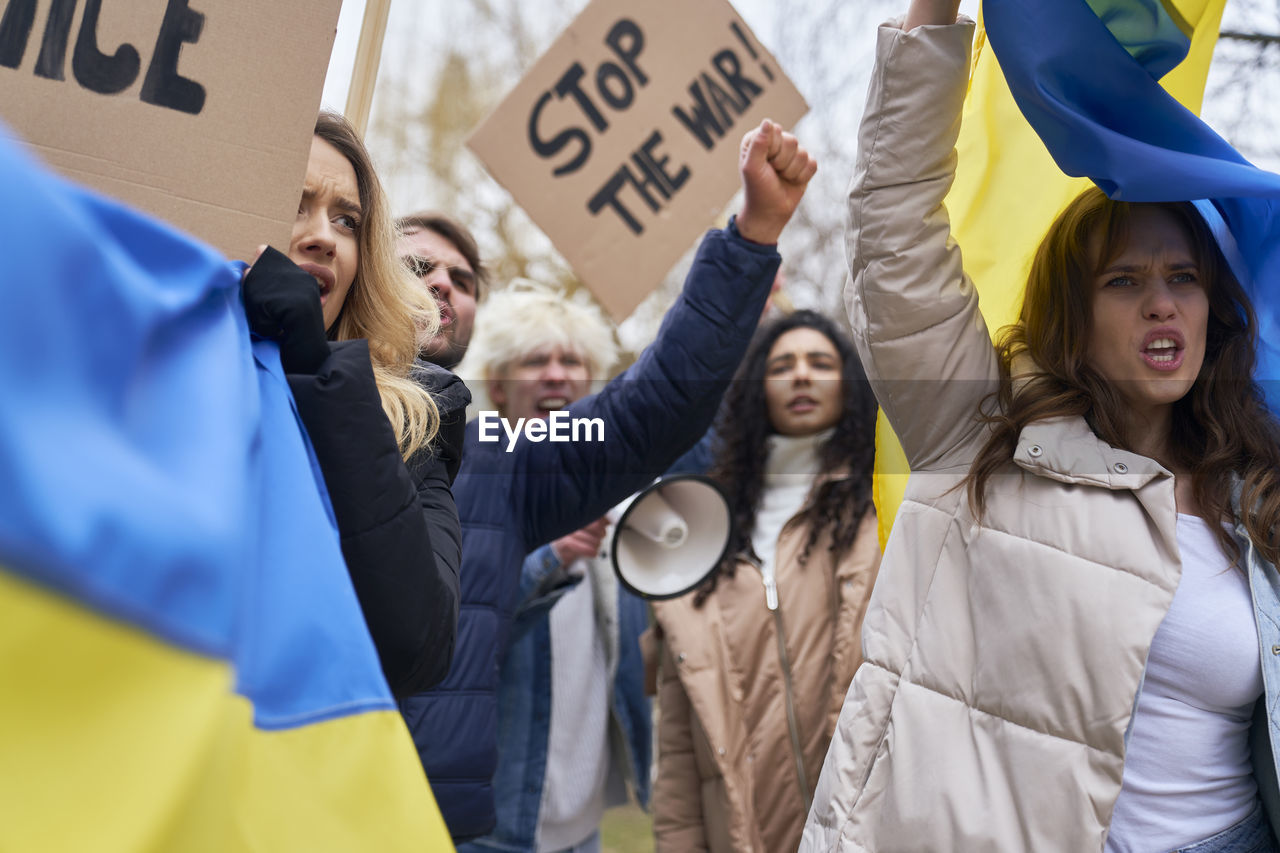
(344, 47)
(1240, 105)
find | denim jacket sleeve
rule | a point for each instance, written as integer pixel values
(543, 580)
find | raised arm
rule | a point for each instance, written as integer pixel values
(914, 314)
(661, 406)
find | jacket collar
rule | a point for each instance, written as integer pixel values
(1066, 449)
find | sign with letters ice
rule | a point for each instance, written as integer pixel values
(621, 142)
(197, 111)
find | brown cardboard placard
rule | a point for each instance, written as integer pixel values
(621, 142)
(199, 112)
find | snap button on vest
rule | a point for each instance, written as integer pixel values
(1034, 450)
(1275, 650)
(1121, 468)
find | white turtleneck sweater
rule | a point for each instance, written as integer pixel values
(789, 472)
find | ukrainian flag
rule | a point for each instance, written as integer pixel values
(1113, 87)
(1090, 88)
(184, 663)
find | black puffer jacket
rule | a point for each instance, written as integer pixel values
(398, 522)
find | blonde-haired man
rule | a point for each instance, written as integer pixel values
(537, 350)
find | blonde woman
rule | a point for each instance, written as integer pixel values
(347, 314)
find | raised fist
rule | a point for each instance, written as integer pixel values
(775, 171)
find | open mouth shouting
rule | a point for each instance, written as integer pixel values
(323, 276)
(552, 403)
(802, 403)
(1162, 349)
(446, 313)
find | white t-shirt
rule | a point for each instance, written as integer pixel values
(1187, 773)
(573, 793)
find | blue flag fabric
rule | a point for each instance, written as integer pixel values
(186, 665)
(1084, 74)
(152, 461)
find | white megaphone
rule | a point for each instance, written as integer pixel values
(670, 536)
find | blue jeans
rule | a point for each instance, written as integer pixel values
(1251, 835)
(590, 845)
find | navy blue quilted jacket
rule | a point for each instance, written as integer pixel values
(511, 503)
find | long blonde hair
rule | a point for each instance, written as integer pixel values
(385, 305)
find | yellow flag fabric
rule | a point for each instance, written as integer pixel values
(122, 744)
(184, 664)
(1007, 192)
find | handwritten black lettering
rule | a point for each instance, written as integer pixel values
(658, 164)
(620, 100)
(627, 29)
(96, 71)
(651, 181)
(53, 48)
(163, 86)
(714, 108)
(106, 74)
(726, 62)
(723, 102)
(700, 120)
(751, 51)
(556, 144)
(608, 195)
(568, 85)
(615, 89)
(15, 30)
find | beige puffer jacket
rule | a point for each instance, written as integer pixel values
(1002, 659)
(724, 784)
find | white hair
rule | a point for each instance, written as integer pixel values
(526, 316)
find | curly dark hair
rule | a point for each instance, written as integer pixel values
(743, 430)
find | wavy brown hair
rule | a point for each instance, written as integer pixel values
(743, 430)
(385, 304)
(1221, 427)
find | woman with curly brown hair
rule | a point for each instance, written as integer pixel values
(1075, 641)
(756, 662)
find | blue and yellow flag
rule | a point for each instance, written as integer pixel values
(1090, 89)
(184, 662)
(1008, 189)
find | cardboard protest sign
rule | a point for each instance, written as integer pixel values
(197, 111)
(622, 141)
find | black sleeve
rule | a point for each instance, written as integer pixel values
(398, 523)
(452, 398)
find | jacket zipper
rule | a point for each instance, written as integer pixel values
(771, 602)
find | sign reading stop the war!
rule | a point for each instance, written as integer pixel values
(621, 142)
